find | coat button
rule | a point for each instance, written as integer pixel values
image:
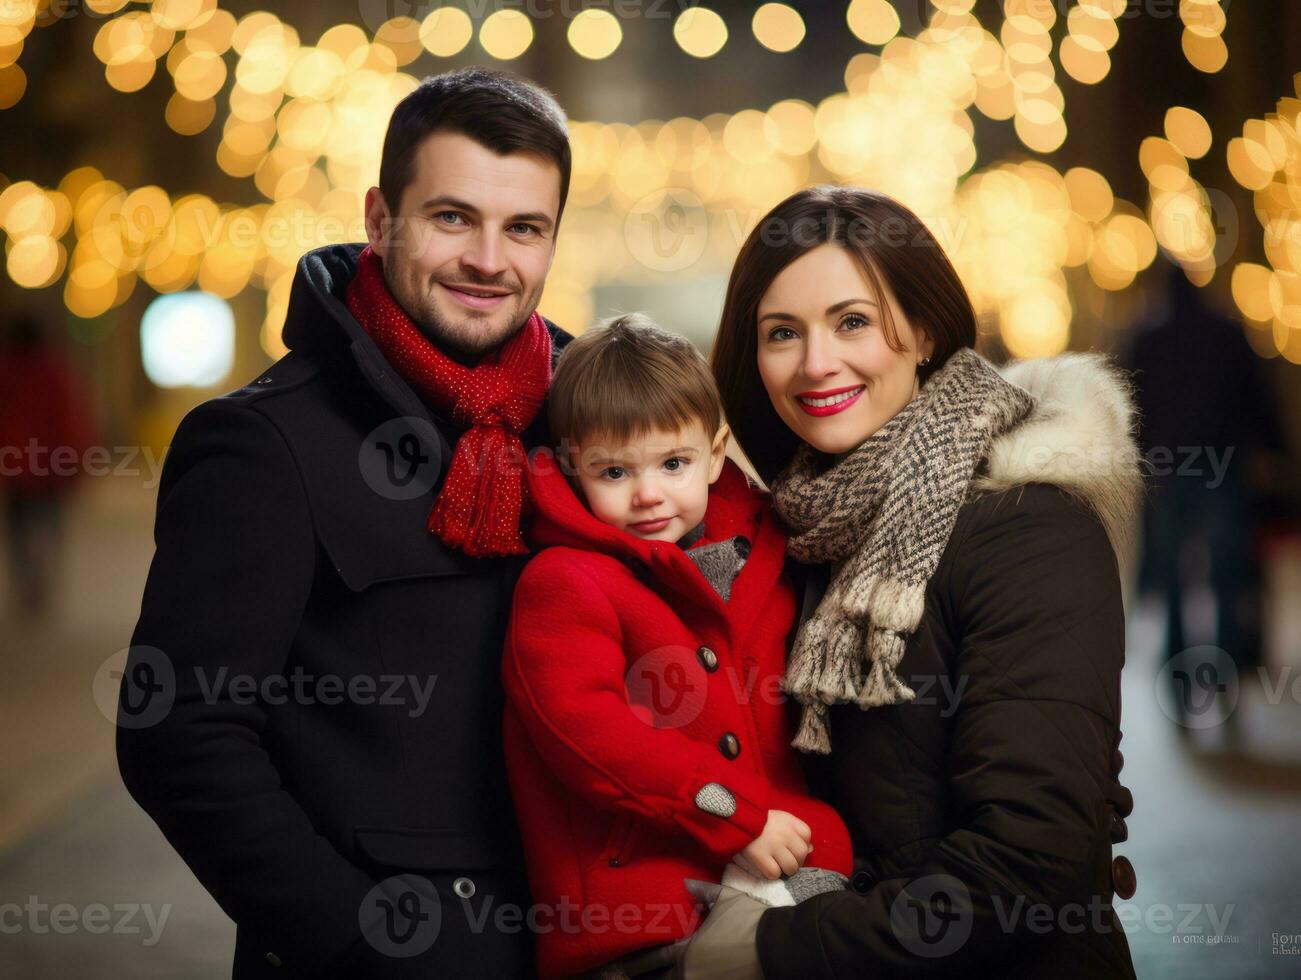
(273, 959)
(708, 659)
(729, 745)
(463, 887)
(862, 881)
(1119, 832)
(1123, 878)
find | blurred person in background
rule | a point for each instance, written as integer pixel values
(45, 428)
(1205, 410)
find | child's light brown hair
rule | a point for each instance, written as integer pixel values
(628, 378)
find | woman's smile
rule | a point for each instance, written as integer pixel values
(830, 402)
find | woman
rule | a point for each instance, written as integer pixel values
(957, 669)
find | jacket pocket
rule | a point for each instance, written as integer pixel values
(417, 849)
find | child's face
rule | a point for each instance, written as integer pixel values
(655, 486)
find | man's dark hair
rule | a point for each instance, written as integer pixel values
(502, 111)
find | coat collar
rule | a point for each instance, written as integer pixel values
(735, 507)
(1079, 437)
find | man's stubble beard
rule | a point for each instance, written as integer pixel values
(448, 336)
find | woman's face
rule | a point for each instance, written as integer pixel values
(823, 357)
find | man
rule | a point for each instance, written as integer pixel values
(311, 705)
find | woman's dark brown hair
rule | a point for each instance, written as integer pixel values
(888, 241)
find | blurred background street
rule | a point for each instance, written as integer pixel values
(1107, 175)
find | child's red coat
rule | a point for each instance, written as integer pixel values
(615, 721)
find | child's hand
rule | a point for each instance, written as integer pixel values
(782, 847)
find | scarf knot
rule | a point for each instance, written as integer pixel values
(479, 507)
(882, 515)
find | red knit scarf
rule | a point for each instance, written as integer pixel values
(479, 507)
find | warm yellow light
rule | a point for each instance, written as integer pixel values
(1285, 297)
(1041, 137)
(200, 75)
(700, 32)
(13, 83)
(181, 15)
(35, 261)
(1206, 54)
(872, 21)
(189, 118)
(1092, 29)
(1251, 291)
(506, 34)
(1188, 130)
(1088, 67)
(1128, 242)
(349, 42)
(595, 34)
(778, 27)
(1203, 18)
(317, 73)
(401, 35)
(214, 34)
(1034, 326)
(1250, 163)
(131, 76)
(789, 127)
(446, 31)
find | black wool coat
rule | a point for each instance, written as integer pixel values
(312, 705)
(983, 813)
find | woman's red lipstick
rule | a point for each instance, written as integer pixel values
(836, 406)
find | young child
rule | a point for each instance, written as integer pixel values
(646, 737)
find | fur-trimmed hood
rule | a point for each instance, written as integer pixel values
(1080, 436)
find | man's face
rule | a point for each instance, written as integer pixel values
(467, 252)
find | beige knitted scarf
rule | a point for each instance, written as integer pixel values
(882, 515)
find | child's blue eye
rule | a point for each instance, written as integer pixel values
(675, 464)
(612, 472)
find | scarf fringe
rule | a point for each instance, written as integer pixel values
(814, 734)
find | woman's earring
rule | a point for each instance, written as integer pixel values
(926, 360)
